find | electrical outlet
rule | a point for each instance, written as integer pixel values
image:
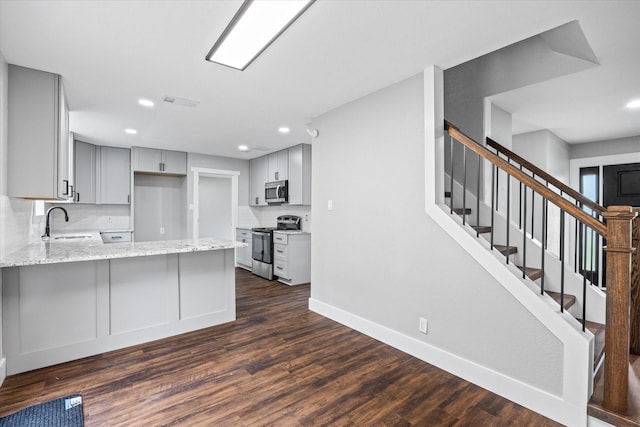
(161, 230)
(423, 325)
(330, 205)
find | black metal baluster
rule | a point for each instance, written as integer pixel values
(464, 184)
(533, 209)
(580, 244)
(494, 198)
(508, 212)
(546, 230)
(583, 255)
(478, 198)
(524, 236)
(544, 238)
(520, 204)
(451, 177)
(561, 260)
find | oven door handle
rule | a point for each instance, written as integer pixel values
(278, 196)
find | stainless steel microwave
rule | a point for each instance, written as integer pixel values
(276, 192)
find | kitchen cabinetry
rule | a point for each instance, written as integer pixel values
(115, 236)
(159, 162)
(258, 174)
(39, 149)
(300, 175)
(85, 172)
(114, 176)
(243, 255)
(278, 166)
(292, 164)
(292, 257)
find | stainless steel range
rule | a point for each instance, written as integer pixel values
(262, 245)
(262, 252)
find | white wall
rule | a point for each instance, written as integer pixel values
(379, 257)
(605, 148)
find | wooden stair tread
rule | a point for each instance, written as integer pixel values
(532, 273)
(460, 211)
(569, 299)
(506, 250)
(482, 228)
(597, 329)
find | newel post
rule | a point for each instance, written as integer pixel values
(635, 287)
(616, 362)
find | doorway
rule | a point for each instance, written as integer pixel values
(215, 203)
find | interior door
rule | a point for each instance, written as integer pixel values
(621, 185)
(215, 210)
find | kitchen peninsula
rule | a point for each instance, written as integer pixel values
(74, 296)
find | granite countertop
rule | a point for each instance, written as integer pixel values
(67, 248)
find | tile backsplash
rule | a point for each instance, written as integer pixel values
(91, 217)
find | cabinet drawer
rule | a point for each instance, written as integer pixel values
(243, 234)
(281, 269)
(280, 252)
(114, 237)
(280, 238)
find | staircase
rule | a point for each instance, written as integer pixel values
(555, 275)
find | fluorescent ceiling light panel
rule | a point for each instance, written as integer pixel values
(253, 28)
(634, 104)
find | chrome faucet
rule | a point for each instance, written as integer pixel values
(47, 228)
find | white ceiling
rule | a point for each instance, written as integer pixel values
(111, 53)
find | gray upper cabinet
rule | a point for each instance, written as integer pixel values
(159, 162)
(114, 176)
(258, 175)
(39, 148)
(300, 175)
(278, 166)
(293, 164)
(85, 172)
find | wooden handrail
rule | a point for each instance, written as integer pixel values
(544, 175)
(552, 196)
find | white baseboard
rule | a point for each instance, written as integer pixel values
(3, 370)
(537, 400)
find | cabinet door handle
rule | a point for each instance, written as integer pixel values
(78, 197)
(66, 187)
(256, 200)
(128, 198)
(277, 175)
(278, 267)
(116, 237)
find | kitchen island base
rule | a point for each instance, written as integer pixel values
(60, 312)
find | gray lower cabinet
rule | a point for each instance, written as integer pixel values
(243, 255)
(292, 257)
(54, 313)
(159, 162)
(114, 176)
(39, 146)
(85, 172)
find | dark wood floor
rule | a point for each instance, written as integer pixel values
(278, 365)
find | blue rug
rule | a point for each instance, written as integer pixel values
(64, 412)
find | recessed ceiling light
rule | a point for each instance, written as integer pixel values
(243, 148)
(283, 129)
(634, 104)
(253, 28)
(146, 102)
(131, 131)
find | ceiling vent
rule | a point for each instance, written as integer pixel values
(181, 101)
